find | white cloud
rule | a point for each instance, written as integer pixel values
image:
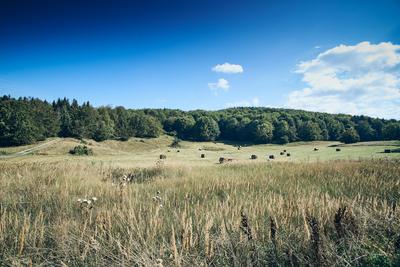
(359, 79)
(220, 84)
(228, 68)
(244, 103)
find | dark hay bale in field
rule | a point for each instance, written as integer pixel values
(387, 151)
(253, 157)
(316, 149)
(162, 156)
(288, 154)
(203, 156)
(282, 153)
(178, 151)
(271, 157)
(223, 160)
(338, 149)
(284, 150)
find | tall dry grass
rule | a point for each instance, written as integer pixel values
(341, 213)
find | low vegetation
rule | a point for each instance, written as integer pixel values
(337, 213)
(81, 150)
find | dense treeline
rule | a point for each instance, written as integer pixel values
(26, 120)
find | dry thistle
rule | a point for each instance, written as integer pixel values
(338, 221)
(345, 223)
(245, 226)
(315, 240)
(273, 229)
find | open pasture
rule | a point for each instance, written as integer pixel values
(145, 152)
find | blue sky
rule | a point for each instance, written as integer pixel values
(333, 56)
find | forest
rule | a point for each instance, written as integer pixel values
(26, 120)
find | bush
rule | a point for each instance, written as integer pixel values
(176, 143)
(81, 150)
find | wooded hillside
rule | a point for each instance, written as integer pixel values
(26, 120)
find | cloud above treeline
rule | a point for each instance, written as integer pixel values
(244, 103)
(355, 79)
(228, 68)
(220, 84)
(223, 84)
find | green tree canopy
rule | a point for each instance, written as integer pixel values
(349, 136)
(206, 129)
(261, 131)
(309, 131)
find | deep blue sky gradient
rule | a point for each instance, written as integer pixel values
(160, 53)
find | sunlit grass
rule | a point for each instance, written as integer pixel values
(191, 215)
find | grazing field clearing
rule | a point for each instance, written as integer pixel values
(144, 152)
(125, 207)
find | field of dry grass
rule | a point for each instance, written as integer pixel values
(170, 213)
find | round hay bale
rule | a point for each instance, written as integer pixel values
(282, 153)
(162, 156)
(316, 149)
(202, 156)
(271, 157)
(338, 149)
(288, 154)
(387, 151)
(253, 157)
(284, 150)
(221, 160)
(178, 151)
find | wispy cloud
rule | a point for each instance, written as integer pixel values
(220, 84)
(358, 79)
(228, 68)
(244, 103)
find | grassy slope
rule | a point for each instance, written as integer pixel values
(145, 152)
